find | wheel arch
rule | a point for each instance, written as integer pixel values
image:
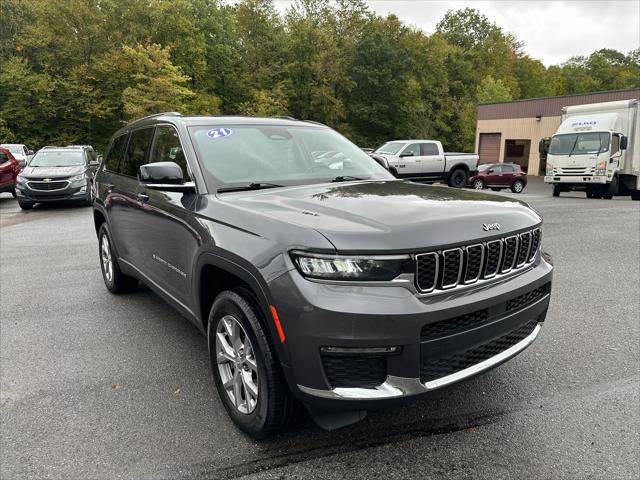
(214, 274)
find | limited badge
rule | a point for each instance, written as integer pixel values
(219, 132)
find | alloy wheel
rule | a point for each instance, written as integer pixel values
(478, 185)
(105, 256)
(237, 364)
(517, 187)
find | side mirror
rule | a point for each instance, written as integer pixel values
(29, 152)
(166, 176)
(406, 154)
(623, 142)
(541, 146)
(491, 171)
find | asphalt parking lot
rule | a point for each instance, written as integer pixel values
(94, 385)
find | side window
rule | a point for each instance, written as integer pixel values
(615, 144)
(116, 152)
(413, 148)
(25, 150)
(497, 169)
(507, 169)
(167, 148)
(137, 151)
(3, 158)
(429, 149)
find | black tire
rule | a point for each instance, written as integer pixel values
(275, 407)
(115, 281)
(25, 205)
(13, 193)
(458, 178)
(593, 195)
(89, 201)
(635, 195)
(612, 189)
(556, 190)
(495, 189)
(517, 186)
(478, 184)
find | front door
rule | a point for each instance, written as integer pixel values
(168, 244)
(410, 161)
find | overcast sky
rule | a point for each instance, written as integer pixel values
(552, 31)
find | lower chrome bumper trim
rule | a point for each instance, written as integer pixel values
(404, 386)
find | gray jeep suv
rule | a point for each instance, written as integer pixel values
(317, 277)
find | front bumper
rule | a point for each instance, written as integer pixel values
(585, 179)
(316, 315)
(72, 192)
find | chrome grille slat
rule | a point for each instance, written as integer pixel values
(467, 264)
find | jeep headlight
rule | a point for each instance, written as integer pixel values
(349, 268)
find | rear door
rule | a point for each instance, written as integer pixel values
(123, 204)
(432, 158)
(168, 244)
(507, 176)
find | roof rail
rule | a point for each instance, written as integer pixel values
(166, 114)
(314, 122)
(284, 117)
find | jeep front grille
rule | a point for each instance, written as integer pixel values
(465, 265)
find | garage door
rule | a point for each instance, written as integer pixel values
(489, 150)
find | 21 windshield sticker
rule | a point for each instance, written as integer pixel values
(220, 132)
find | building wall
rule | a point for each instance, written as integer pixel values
(520, 129)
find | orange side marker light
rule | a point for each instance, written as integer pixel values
(276, 320)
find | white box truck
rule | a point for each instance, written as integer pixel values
(597, 150)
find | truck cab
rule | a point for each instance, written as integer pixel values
(589, 151)
(427, 160)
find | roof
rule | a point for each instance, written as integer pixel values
(549, 106)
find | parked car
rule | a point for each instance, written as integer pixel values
(426, 160)
(58, 174)
(20, 152)
(498, 176)
(333, 284)
(9, 169)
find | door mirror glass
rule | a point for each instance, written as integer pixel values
(623, 142)
(168, 173)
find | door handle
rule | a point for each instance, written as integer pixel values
(142, 197)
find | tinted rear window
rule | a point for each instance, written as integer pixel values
(116, 152)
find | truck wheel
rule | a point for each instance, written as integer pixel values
(612, 189)
(245, 367)
(556, 190)
(458, 178)
(114, 279)
(517, 186)
(478, 184)
(635, 195)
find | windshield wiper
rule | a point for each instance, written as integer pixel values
(344, 178)
(574, 145)
(250, 186)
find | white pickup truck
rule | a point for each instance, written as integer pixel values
(426, 160)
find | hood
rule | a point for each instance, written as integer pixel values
(389, 215)
(52, 172)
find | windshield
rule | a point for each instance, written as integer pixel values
(56, 158)
(486, 166)
(390, 148)
(579, 143)
(244, 154)
(14, 149)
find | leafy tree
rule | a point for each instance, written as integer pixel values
(158, 84)
(491, 90)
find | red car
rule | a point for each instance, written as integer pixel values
(497, 176)
(9, 169)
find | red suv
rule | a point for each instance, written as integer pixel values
(498, 176)
(9, 169)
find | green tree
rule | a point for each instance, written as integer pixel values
(491, 90)
(158, 85)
